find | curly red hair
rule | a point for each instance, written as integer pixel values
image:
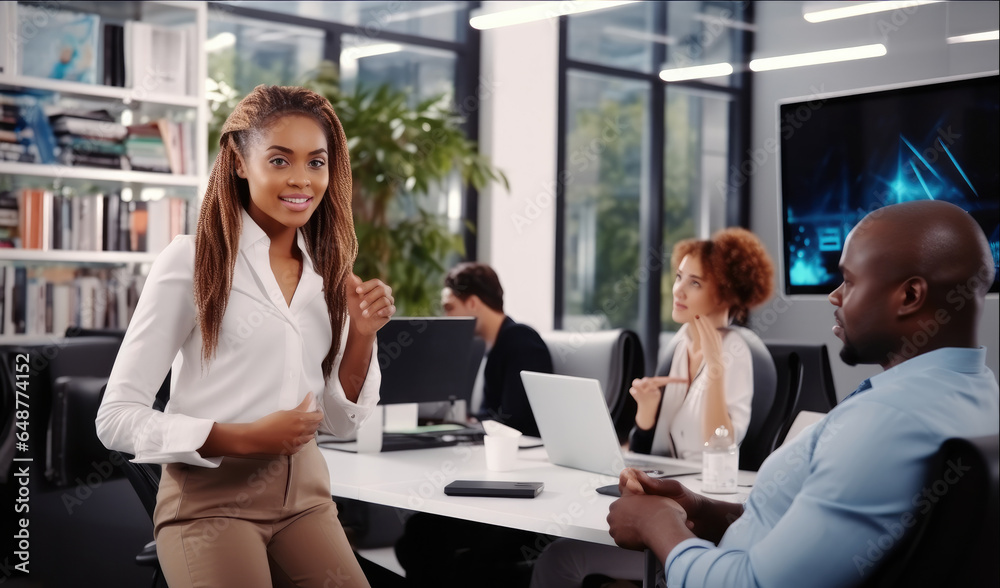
(737, 264)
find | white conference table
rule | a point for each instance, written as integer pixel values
(568, 505)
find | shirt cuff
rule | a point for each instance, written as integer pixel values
(341, 417)
(681, 558)
(176, 440)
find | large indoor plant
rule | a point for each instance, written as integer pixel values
(400, 151)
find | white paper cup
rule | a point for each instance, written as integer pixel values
(370, 433)
(501, 452)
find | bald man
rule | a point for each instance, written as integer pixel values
(828, 505)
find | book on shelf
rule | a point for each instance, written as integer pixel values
(38, 301)
(113, 58)
(138, 225)
(64, 47)
(30, 205)
(10, 220)
(31, 128)
(156, 57)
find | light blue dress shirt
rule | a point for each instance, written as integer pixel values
(827, 506)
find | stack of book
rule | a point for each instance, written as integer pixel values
(145, 148)
(88, 138)
(161, 146)
(9, 234)
(15, 137)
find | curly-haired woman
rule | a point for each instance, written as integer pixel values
(707, 383)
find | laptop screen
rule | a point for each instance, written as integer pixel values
(426, 359)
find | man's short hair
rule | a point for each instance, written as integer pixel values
(468, 278)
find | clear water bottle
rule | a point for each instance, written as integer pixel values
(720, 462)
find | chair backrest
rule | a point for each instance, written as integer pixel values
(768, 408)
(613, 357)
(145, 480)
(815, 391)
(58, 357)
(953, 540)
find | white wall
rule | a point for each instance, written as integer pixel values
(519, 91)
(917, 50)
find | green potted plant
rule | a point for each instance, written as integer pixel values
(399, 152)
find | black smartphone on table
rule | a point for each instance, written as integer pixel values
(493, 488)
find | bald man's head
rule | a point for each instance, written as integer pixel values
(915, 277)
(933, 239)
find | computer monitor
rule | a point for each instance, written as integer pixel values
(425, 359)
(844, 156)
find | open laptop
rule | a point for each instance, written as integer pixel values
(577, 431)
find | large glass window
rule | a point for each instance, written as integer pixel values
(694, 163)
(444, 21)
(605, 167)
(245, 52)
(645, 159)
(423, 72)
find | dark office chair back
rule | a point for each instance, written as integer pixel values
(613, 357)
(769, 405)
(954, 540)
(145, 480)
(815, 391)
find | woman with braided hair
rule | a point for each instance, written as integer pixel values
(274, 338)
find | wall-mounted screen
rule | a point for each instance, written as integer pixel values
(844, 156)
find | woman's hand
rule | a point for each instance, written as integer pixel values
(711, 346)
(370, 304)
(284, 432)
(280, 433)
(647, 393)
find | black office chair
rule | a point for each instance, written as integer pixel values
(815, 391)
(613, 357)
(768, 408)
(145, 480)
(955, 539)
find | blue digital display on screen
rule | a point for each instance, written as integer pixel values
(845, 156)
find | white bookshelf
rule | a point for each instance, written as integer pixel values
(138, 105)
(81, 90)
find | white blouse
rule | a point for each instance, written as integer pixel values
(679, 429)
(270, 355)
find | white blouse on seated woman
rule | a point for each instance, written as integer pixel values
(678, 431)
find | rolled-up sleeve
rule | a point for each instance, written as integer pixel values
(341, 417)
(164, 318)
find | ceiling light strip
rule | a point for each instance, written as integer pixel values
(697, 72)
(862, 9)
(818, 57)
(975, 37)
(541, 11)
